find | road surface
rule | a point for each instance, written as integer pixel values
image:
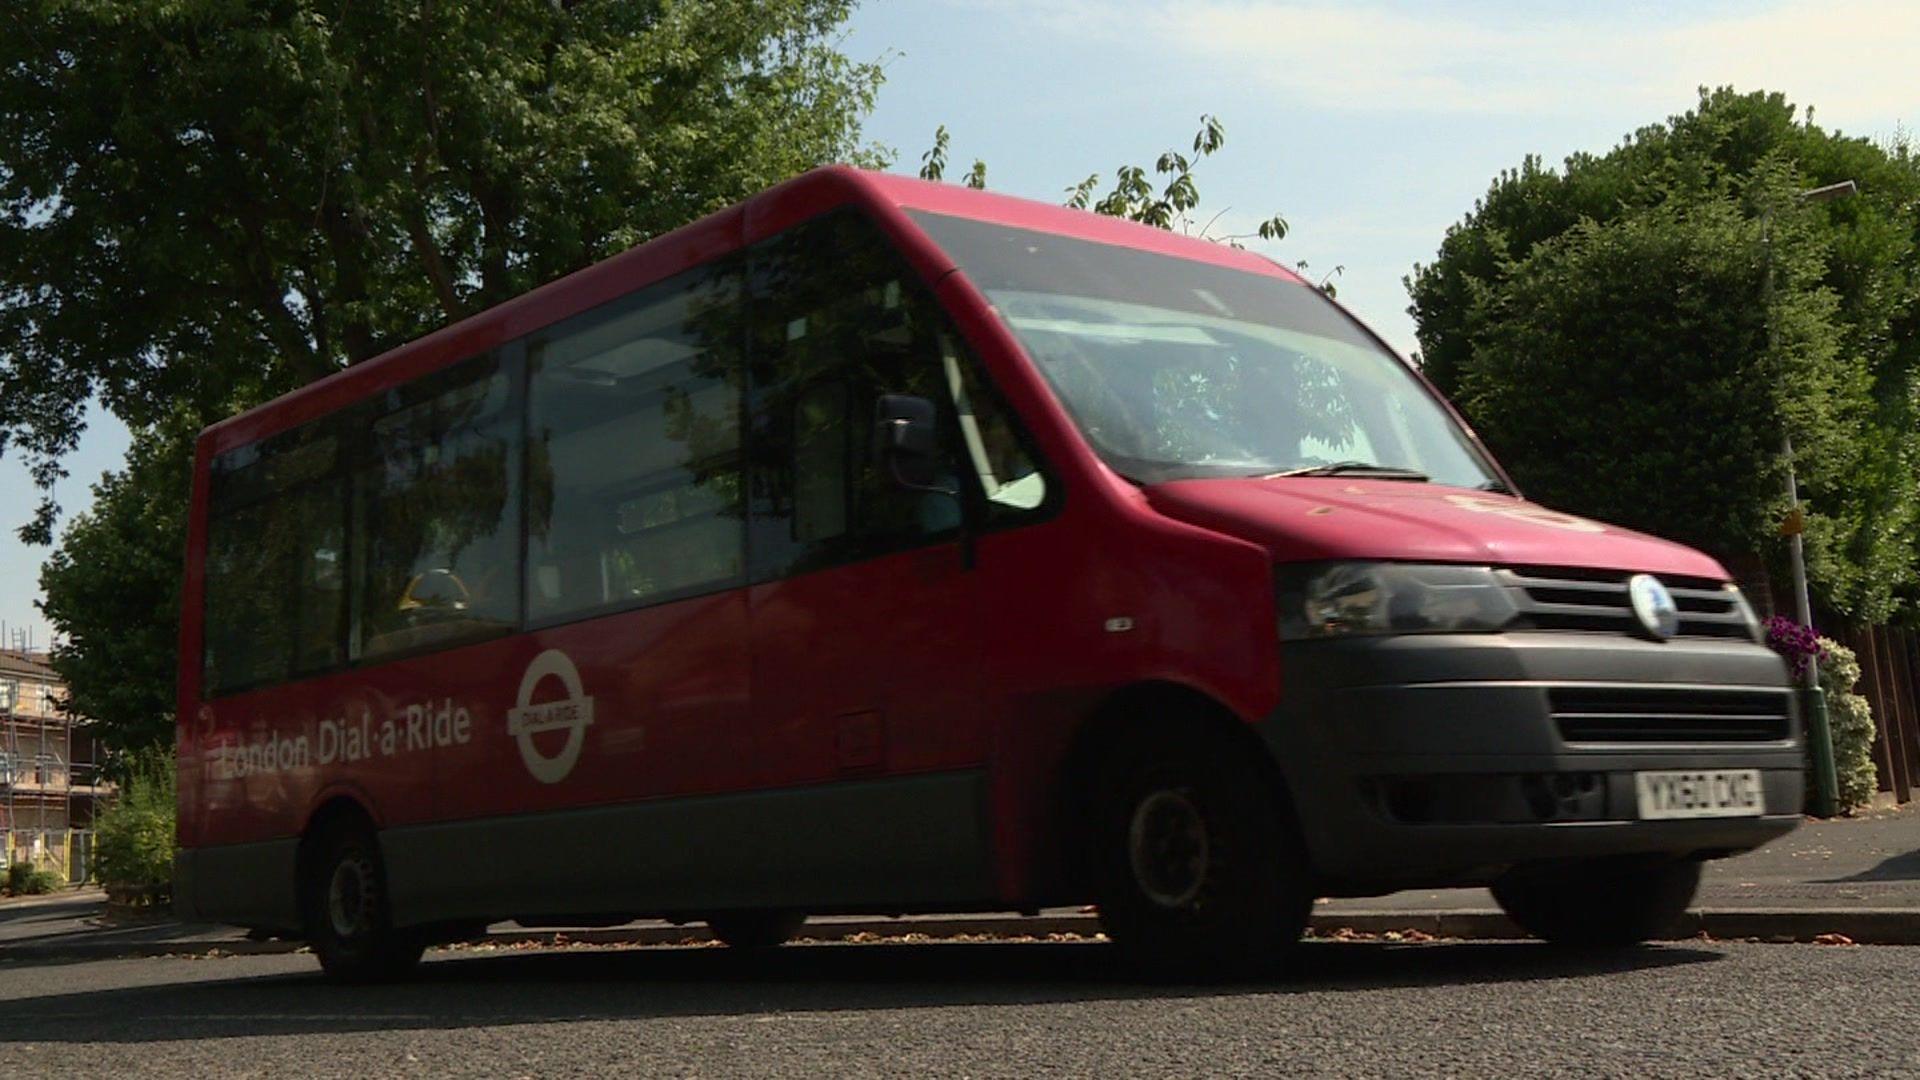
(979, 1009)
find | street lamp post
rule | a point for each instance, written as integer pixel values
(1826, 782)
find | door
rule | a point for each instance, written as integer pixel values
(865, 633)
(871, 711)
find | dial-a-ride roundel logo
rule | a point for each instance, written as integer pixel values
(572, 714)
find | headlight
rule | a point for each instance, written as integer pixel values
(1340, 599)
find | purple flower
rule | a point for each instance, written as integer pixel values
(1798, 643)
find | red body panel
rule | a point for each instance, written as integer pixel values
(1302, 518)
(668, 686)
(909, 663)
(867, 669)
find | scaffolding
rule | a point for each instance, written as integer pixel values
(50, 783)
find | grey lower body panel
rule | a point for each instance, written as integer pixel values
(1428, 760)
(905, 841)
(242, 884)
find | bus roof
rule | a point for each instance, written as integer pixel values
(717, 234)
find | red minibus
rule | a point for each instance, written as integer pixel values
(882, 546)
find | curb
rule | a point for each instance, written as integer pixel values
(62, 895)
(139, 950)
(1860, 926)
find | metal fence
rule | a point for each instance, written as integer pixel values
(66, 851)
(1890, 681)
(79, 855)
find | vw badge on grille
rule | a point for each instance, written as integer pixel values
(1653, 605)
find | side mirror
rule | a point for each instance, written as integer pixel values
(906, 442)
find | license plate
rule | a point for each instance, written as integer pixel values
(1702, 793)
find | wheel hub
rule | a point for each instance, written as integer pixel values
(350, 898)
(1168, 848)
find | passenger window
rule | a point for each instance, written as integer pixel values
(438, 514)
(822, 428)
(840, 321)
(634, 452)
(246, 634)
(275, 596)
(320, 578)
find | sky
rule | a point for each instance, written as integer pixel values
(1371, 125)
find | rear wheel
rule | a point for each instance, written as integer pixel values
(349, 920)
(1198, 870)
(756, 929)
(1599, 904)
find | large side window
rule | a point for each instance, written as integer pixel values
(634, 449)
(275, 586)
(438, 513)
(839, 320)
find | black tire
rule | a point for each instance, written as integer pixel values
(756, 930)
(1599, 904)
(349, 920)
(1198, 868)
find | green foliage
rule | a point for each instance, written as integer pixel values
(113, 588)
(1325, 284)
(135, 835)
(933, 163)
(204, 203)
(1167, 202)
(1668, 421)
(1850, 721)
(1606, 328)
(28, 879)
(1164, 199)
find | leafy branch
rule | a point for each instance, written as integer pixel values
(1165, 197)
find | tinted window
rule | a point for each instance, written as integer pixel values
(839, 320)
(246, 636)
(396, 526)
(318, 552)
(275, 590)
(438, 513)
(634, 456)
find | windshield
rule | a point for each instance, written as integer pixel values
(1175, 369)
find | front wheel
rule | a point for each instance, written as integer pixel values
(1599, 904)
(349, 920)
(1198, 870)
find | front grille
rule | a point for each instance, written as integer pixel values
(1560, 598)
(1671, 715)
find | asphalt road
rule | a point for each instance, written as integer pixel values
(1487, 1008)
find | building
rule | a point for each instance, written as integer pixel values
(50, 783)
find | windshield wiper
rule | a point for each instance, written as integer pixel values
(1355, 468)
(1498, 487)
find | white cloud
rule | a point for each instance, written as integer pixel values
(1857, 58)
(1853, 58)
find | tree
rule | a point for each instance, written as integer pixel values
(1605, 327)
(206, 204)
(1701, 397)
(113, 589)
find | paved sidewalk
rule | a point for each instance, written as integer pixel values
(1870, 862)
(1856, 877)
